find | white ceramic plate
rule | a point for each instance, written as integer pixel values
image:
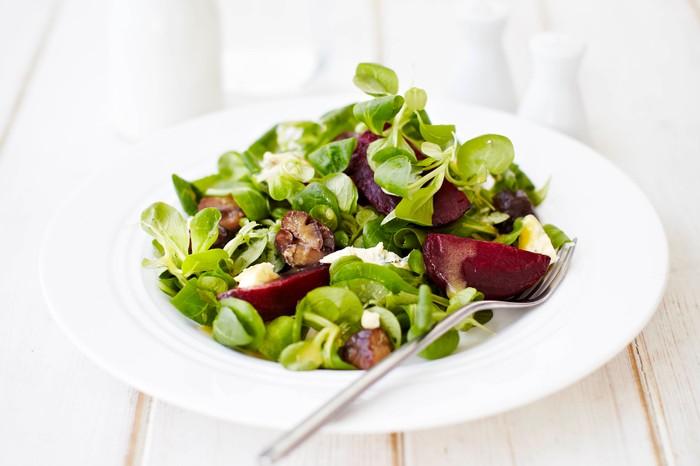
(111, 308)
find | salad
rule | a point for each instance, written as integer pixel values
(330, 243)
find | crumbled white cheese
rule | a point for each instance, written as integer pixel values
(534, 239)
(255, 275)
(376, 255)
(370, 320)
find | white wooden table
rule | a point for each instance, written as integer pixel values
(641, 85)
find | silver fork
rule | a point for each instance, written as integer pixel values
(535, 295)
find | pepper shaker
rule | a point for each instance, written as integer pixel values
(482, 76)
(553, 97)
(165, 63)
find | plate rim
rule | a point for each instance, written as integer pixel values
(336, 427)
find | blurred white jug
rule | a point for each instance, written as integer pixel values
(165, 63)
(482, 75)
(553, 97)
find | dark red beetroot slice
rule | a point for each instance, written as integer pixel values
(280, 297)
(449, 202)
(363, 177)
(497, 270)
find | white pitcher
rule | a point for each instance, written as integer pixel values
(482, 75)
(165, 63)
(553, 97)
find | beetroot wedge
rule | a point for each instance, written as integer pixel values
(497, 270)
(362, 175)
(280, 297)
(449, 202)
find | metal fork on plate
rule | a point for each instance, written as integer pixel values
(535, 295)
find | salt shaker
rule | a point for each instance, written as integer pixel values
(482, 75)
(165, 63)
(553, 97)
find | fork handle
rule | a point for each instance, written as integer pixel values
(297, 435)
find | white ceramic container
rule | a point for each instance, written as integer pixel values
(482, 75)
(165, 63)
(553, 97)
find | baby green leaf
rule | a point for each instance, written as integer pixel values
(315, 194)
(433, 150)
(490, 150)
(167, 226)
(368, 291)
(334, 157)
(467, 226)
(514, 178)
(232, 167)
(188, 194)
(283, 187)
(229, 331)
(265, 143)
(373, 233)
(383, 275)
(416, 99)
(376, 112)
(344, 189)
(168, 283)
(335, 122)
(298, 136)
(539, 195)
(198, 305)
(423, 316)
(464, 297)
(409, 238)
(556, 236)
(251, 201)
(419, 207)
(202, 261)
(325, 215)
(302, 356)
(381, 150)
(461, 299)
(416, 262)
(238, 325)
(443, 346)
(394, 175)
(477, 320)
(438, 134)
(212, 283)
(376, 80)
(509, 238)
(204, 229)
(285, 174)
(245, 256)
(389, 323)
(278, 335)
(335, 304)
(331, 358)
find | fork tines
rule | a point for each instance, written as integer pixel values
(553, 276)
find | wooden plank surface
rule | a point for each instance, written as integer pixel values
(643, 62)
(639, 81)
(23, 29)
(599, 420)
(56, 406)
(178, 437)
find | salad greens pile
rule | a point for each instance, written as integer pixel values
(301, 166)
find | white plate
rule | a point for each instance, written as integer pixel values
(110, 307)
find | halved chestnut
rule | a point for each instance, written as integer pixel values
(302, 240)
